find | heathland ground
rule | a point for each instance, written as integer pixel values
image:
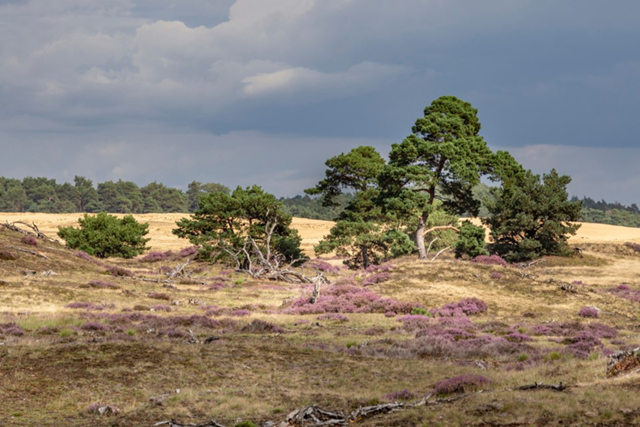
(78, 333)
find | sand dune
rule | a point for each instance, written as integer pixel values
(311, 230)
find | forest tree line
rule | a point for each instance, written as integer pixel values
(46, 195)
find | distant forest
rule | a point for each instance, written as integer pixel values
(46, 195)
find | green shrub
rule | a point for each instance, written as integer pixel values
(471, 241)
(105, 236)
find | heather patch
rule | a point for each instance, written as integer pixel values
(382, 268)
(86, 306)
(240, 313)
(11, 329)
(323, 266)
(490, 260)
(29, 240)
(119, 271)
(95, 327)
(467, 306)
(347, 299)
(188, 251)
(461, 384)
(154, 256)
(624, 291)
(161, 307)
(633, 246)
(414, 322)
(495, 275)
(159, 295)
(376, 278)
(589, 312)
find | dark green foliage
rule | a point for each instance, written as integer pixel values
(531, 217)
(312, 207)
(443, 158)
(223, 222)
(105, 235)
(363, 233)
(159, 198)
(470, 241)
(197, 189)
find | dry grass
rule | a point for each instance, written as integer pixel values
(63, 361)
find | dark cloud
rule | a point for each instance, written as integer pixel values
(171, 87)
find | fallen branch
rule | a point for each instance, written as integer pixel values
(28, 251)
(438, 254)
(536, 386)
(173, 423)
(179, 270)
(36, 231)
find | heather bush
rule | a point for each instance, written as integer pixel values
(323, 266)
(634, 246)
(188, 251)
(154, 256)
(399, 395)
(29, 240)
(490, 260)
(624, 291)
(347, 299)
(517, 337)
(582, 344)
(495, 275)
(160, 307)
(461, 384)
(382, 268)
(85, 306)
(589, 312)
(376, 278)
(466, 306)
(11, 329)
(119, 271)
(159, 295)
(414, 322)
(95, 327)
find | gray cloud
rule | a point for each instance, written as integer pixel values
(164, 84)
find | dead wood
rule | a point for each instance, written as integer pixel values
(623, 362)
(439, 253)
(178, 271)
(441, 227)
(28, 251)
(316, 293)
(35, 233)
(536, 386)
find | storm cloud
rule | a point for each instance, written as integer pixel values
(264, 91)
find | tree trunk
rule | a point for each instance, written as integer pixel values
(422, 251)
(365, 256)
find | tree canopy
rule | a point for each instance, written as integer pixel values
(530, 217)
(224, 226)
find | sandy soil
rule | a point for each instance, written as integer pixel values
(311, 230)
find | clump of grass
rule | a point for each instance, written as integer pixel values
(7, 256)
(119, 271)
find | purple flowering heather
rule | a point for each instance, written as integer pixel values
(461, 384)
(589, 312)
(490, 260)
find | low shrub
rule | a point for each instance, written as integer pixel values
(29, 240)
(376, 278)
(399, 395)
(589, 312)
(461, 384)
(7, 256)
(119, 271)
(490, 260)
(154, 257)
(466, 306)
(258, 326)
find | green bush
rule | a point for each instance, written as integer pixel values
(471, 241)
(105, 236)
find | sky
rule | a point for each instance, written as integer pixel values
(245, 92)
